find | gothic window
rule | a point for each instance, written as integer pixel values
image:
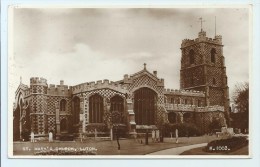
(178, 101)
(117, 104)
(172, 117)
(145, 106)
(191, 56)
(75, 110)
(185, 101)
(63, 104)
(172, 100)
(199, 103)
(96, 109)
(213, 55)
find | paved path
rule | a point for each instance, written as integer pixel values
(177, 150)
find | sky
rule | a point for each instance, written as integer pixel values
(80, 45)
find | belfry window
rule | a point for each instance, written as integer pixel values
(214, 81)
(63, 104)
(191, 56)
(213, 55)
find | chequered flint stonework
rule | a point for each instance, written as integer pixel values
(51, 123)
(216, 96)
(185, 60)
(191, 77)
(143, 80)
(52, 100)
(107, 94)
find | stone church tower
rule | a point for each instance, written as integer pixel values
(203, 69)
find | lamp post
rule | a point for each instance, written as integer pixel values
(117, 137)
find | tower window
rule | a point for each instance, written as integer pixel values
(63, 104)
(191, 56)
(213, 55)
(214, 81)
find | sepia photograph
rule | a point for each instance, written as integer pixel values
(135, 82)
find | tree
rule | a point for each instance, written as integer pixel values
(241, 100)
(113, 120)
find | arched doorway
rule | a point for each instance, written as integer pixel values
(187, 117)
(96, 109)
(64, 125)
(172, 117)
(145, 106)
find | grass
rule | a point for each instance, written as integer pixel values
(128, 146)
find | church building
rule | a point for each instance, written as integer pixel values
(140, 100)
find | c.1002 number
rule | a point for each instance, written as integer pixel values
(222, 148)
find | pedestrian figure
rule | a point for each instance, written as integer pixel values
(32, 137)
(177, 135)
(50, 137)
(153, 135)
(80, 137)
(157, 134)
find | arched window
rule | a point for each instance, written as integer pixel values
(172, 100)
(178, 101)
(96, 109)
(117, 104)
(63, 104)
(172, 117)
(191, 56)
(199, 103)
(186, 101)
(214, 81)
(187, 117)
(213, 55)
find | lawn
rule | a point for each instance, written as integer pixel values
(128, 146)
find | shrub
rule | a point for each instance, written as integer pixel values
(25, 134)
(66, 137)
(184, 130)
(227, 145)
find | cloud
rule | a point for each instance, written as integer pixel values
(81, 45)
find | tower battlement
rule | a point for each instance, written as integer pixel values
(38, 81)
(202, 38)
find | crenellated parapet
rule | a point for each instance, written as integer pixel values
(89, 86)
(38, 81)
(202, 38)
(184, 92)
(59, 90)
